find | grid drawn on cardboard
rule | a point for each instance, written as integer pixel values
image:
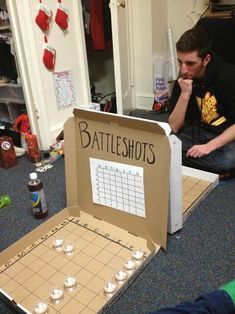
(31, 275)
(192, 189)
(119, 188)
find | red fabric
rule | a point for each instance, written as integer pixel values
(21, 124)
(43, 19)
(61, 19)
(49, 58)
(97, 24)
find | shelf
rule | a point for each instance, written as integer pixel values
(225, 14)
(11, 93)
(5, 28)
(12, 101)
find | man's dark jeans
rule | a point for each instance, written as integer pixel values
(219, 161)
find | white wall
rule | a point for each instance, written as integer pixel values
(148, 19)
(150, 23)
(183, 14)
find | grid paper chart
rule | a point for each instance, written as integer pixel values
(118, 185)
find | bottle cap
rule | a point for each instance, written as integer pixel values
(33, 176)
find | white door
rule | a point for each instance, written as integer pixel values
(122, 47)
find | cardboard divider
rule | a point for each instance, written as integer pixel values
(106, 137)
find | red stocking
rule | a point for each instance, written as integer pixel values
(49, 56)
(61, 17)
(43, 17)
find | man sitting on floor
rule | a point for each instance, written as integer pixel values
(202, 105)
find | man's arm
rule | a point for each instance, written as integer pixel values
(177, 117)
(224, 138)
(216, 302)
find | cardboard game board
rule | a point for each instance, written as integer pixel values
(188, 187)
(117, 184)
(192, 188)
(30, 276)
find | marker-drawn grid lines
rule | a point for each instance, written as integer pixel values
(32, 274)
(119, 187)
(192, 189)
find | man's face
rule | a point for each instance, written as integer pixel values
(191, 66)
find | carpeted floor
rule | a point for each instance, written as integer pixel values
(199, 258)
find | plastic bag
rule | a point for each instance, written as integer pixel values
(161, 75)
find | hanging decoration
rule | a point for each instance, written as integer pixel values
(43, 17)
(49, 55)
(61, 17)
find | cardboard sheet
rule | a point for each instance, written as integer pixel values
(100, 251)
(125, 163)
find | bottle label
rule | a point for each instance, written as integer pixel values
(38, 202)
(6, 145)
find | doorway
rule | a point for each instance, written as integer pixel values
(109, 54)
(12, 101)
(99, 49)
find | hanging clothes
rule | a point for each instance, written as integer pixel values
(107, 23)
(97, 24)
(7, 62)
(86, 15)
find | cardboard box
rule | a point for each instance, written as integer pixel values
(188, 187)
(117, 184)
(90, 106)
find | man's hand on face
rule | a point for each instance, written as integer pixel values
(186, 86)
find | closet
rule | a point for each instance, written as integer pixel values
(109, 45)
(99, 49)
(12, 102)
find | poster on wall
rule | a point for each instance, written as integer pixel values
(64, 89)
